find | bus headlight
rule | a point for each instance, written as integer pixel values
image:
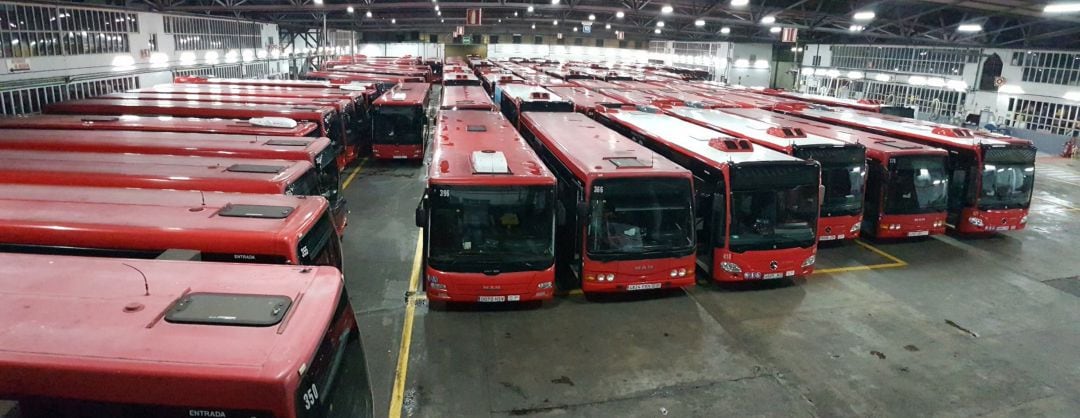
(605, 277)
(544, 285)
(855, 228)
(939, 224)
(809, 261)
(682, 272)
(1023, 219)
(975, 221)
(730, 267)
(674, 272)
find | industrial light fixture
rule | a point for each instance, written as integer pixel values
(393, 21)
(656, 31)
(318, 2)
(620, 14)
(368, 14)
(699, 23)
(438, 13)
(768, 20)
(739, 3)
(350, 9)
(916, 80)
(555, 22)
(1072, 95)
(534, 26)
(592, 16)
(1062, 8)
(436, 7)
(530, 9)
(554, 1)
(774, 29)
(867, 15)
(575, 28)
(444, 21)
(515, 14)
(969, 27)
(667, 9)
(856, 28)
(660, 24)
(855, 75)
(725, 30)
(884, 78)
(607, 26)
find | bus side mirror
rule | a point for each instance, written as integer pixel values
(421, 213)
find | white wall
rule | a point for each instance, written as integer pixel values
(756, 72)
(567, 52)
(416, 49)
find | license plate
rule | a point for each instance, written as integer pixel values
(1002, 228)
(400, 157)
(772, 276)
(643, 286)
(918, 233)
(491, 299)
(827, 238)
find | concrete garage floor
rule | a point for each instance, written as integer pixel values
(946, 326)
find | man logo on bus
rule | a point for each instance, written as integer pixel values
(773, 265)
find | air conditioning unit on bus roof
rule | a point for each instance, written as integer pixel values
(489, 162)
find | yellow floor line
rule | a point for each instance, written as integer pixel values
(352, 176)
(859, 268)
(880, 252)
(397, 396)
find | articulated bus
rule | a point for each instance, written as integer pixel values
(488, 214)
(344, 107)
(757, 209)
(628, 220)
(585, 100)
(843, 164)
(466, 98)
(142, 223)
(316, 151)
(326, 117)
(866, 105)
(127, 338)
(991, 177)
(906, 184)
(253, 126)
(520, 98)
(399, 121)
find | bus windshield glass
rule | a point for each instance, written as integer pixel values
(1007, 178)
(320, 246)
(398, 125)
(631, 218)
(336, 383)
(308, 185)
(843, 189)
(773, 207)
(475, 229)
(916, 185)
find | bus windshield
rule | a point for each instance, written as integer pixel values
(843, 189)
(308, 185)
(336, 383)
(1006, 186)
(476, 229)
(398, 125)
(321, 245)
(631, 218)
(774, 218)
(916, 185)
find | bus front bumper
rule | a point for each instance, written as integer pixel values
(522, 286)
(974, 221)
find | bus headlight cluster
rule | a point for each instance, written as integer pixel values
(809, 261)
(939, 224)
(605, 277)
(975, 221)
(678, 272)
(1023, 219)
(544, 285)
(730, 267)
(855, 228)
(893, 227)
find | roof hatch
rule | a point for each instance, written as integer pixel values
(731, 144)
(288, 143)
(628, 162)
(899, 145)
(397, 96)
(476, 128)
(785, 132)
(255, 168)
(255, 211)
(229, 309)
(489, 162)
(539, 95)
(953, 132)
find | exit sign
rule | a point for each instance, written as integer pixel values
(466, 40)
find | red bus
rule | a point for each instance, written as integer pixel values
(494, 80)
(198, 79)
(155, 339)
(316, 151)
(326, 117)
(990, 179)
(488, 214)
(640, 97)
(142, 223)
(344, 107)
(399, 121)
(595, 85)
(461, 79)
(843, 164)
(516, 99)
(629, 221)
(866, 105)
(466, 98)
(585, 101)
(906, 183)
(382, 82)
(756, 208)
(253, 126)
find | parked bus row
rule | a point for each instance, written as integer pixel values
(225, 213)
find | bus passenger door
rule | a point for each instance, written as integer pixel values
(875, 181)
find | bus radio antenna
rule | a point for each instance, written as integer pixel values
(146, 283)
(202, 197)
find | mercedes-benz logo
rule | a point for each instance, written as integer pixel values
(1004, 221)
(828, 229)
(773, 265)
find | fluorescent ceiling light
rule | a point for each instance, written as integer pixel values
(855, 75)
(368, 14)
(592, 16)
(530, 9)
(660, 24)
(1072, 95)
(916, 80)
(761, 64)
(554, 1)
(699, 23)
(882, 78)
(935, 81)
(656, 31)
(768, 20)
(774, 29)
(725, 30)
(620, 15)
(742, 63)
(867, 15)
(318, 2)
(856, 28)
(969, 27)
(667, 9)
(607, 26)
(739, 3)
(350, 9)
(1062, 8)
